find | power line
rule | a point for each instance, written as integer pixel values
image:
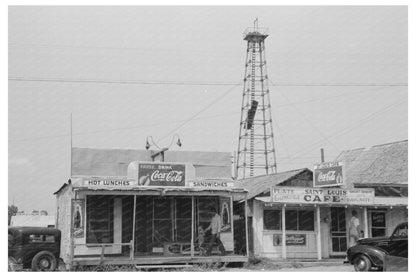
(179, 121)
(306, 119)
(116, 129)
(183, 83)
(201, 111)
(348, 129)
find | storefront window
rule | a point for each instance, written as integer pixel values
(378, 224)
(297, 220)
(100, 219)
(272, 220)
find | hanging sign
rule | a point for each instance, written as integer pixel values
(153, 174)
(328, 174)
(297, 195)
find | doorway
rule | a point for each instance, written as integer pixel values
(338, 231)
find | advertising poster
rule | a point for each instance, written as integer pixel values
(78, 214)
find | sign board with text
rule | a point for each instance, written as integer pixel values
(211, 184)
(328, 174)
(297, 195)
(291, 239)
(161, 174)
(107, 183)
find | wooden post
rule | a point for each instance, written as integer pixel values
(318, 236)
(134, 228)
(246, 223)
(284, 231)
(193, 227)
(71, 234)
(231, 214)
(366, 235)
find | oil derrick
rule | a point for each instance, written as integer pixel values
(256, 152)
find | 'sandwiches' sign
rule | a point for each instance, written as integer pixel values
(152, 174)
(210, 184)
(328, 174)
(297, 195)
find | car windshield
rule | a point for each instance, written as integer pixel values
(401, 232)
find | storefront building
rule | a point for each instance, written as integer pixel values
(314, 217)
(152, 213)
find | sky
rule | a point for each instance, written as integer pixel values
(338, 80)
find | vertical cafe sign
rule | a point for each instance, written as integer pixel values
(328, 174)
(155, 174)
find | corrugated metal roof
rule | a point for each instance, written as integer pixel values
(260, 184)
(114, 162)
(380, 164)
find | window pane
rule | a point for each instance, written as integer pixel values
(378, 219)
(292, 220)
(271, 220)
(306, 220)
(50, 238)
(100, 219)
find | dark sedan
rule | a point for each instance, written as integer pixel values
(34, 247)
(372, 253)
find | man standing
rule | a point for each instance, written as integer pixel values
(215, 228)
(354, 229)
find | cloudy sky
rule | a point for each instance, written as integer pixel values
(339, 78)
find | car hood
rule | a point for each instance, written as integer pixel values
(373, 241)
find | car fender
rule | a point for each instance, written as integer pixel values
(375, 254)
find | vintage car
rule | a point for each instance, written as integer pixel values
(34, 248)
(372, 253)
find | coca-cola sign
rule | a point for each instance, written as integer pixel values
(328, 174)
(152, 174)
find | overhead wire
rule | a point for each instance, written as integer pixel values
(183, 83)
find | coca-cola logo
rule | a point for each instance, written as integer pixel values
(324, 177)
(171, 176)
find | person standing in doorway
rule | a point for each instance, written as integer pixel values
(354, 229)
(215, 228)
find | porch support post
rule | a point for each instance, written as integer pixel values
(365, 222)
(193, 227)
(284, 231)
(134, 229)
(318, 235)
(231, 215)
(246, 223)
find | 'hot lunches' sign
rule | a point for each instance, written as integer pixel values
(298, 195)
(151, 174)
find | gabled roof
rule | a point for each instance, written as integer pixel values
(380, 164)
(261, 184)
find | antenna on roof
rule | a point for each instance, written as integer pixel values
(256, 23)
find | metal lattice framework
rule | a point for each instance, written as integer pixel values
(256, 151)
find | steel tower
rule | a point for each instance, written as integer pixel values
(256, 152)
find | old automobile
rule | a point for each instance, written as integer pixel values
(34, 248)
(372, 253)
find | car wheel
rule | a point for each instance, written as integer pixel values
(61, 265)
(44, 261)
(12, 264)
(362, 263)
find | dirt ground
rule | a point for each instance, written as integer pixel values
(295, 267)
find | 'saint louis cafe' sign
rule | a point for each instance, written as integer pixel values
(298, 195)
